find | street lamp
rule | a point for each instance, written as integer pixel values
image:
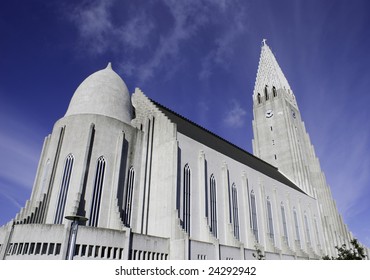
(73, 234)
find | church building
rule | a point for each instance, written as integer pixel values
(144, 183)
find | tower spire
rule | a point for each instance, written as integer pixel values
(269, 72)
(281, 139)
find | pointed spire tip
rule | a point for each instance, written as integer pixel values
(109, 66)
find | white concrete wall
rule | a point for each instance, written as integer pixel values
(262, 186)
(37, 242)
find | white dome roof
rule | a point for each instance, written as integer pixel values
(102, 93)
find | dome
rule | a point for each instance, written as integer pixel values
(102, 93)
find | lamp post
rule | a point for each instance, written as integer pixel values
(73, 234)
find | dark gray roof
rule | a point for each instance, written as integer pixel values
(223, 146)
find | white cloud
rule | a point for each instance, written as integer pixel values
(221, 54)
(188, 17)
(94, 25)
(99, 33)
(136, 31)
(235, 116)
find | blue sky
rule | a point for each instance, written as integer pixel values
(199, 58)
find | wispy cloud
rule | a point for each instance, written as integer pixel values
(342, 144)
(351, 183)
(4, 192)
(188, 18)
(94, 25)
(136, 31)
(235, 116)
(99, 33)
(20, 148)
(203, 112)
(223, 50)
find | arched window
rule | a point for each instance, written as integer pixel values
(297, 237)
(254, 215)
(235, 211)
(269, 219)
(307, 229)
(186, 199)
(96, 197)
(285, 228)
(213, 205)
(129, 196)
(64, 189)
(274, 92)
(266, 93)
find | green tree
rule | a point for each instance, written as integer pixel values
(357, 252)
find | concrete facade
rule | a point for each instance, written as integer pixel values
(280, 138)
(154, 185)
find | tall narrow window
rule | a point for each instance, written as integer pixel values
(266, 93)
(254, 215)
(285, 228)
(269, 219)
(186, 199)
(274, 92)
(98, 187)
(259, 98)
(235, 212)
(213, 205)
(317, 232)
(307, 230)
(64, 189)
(297, 238)
(129, 195)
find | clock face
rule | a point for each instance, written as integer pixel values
(269, 113)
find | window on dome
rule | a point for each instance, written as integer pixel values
(64, 189)
(98, 187)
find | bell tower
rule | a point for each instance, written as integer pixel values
(280, 138)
